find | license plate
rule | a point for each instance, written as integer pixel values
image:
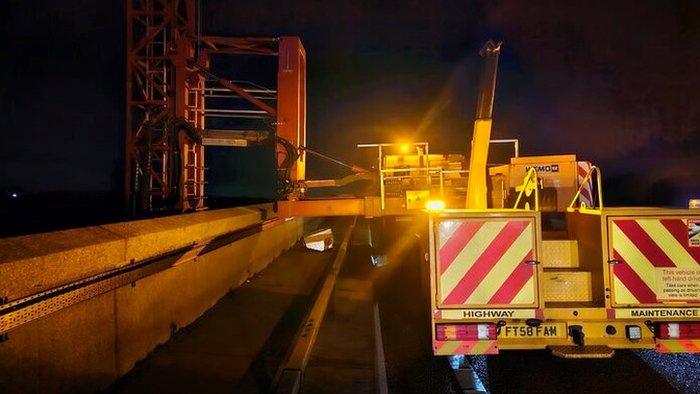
(544, 330)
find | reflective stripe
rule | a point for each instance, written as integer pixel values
(469, 253)
(633, 282)
(514, 285)
(453, 236)
(643, 246)
(586, 196)
(446, 348)
(490, 268)
(622, 294)
(662, 237)
(642, 241)
(502, 273)
(678, 346)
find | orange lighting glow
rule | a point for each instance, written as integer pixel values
(435, 205)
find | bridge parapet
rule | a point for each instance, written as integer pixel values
(88, 343)
(34, 263)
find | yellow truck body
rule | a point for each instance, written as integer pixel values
(617, 278)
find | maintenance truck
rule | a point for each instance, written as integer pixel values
(536, 261)
(524, 254)
(579, 279)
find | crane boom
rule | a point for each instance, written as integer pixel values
(476, 187)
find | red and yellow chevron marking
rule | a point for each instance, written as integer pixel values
(482, 262)
(586, 196)
(678, 346)
(448, 348)
(643, 245)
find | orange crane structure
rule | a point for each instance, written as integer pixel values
(168, 83)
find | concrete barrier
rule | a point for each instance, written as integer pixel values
(86, 346)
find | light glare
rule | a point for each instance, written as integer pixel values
(435, 205)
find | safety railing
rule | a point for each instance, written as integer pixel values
(427, 174)
(514, 141)
(530, 184)
(460, 173)
(417, 173)
(599, 187)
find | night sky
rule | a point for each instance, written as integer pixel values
(616, 82)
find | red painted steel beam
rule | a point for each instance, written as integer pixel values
(291, 99)
(241, 45)
(161, 37)
(249, 97)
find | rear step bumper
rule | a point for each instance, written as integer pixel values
(582, 351)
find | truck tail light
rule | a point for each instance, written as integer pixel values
(678, 330)
(465, 332)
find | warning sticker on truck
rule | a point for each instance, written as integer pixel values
(680, 313)
(694, 233)
(678, 284)
(486, 314)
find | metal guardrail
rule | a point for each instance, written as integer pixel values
(422, 145)
(586, 179)
(514, 141)
(290, 375)
(416, 173)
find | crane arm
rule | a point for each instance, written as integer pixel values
(476, 184)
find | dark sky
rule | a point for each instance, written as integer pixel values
(616, 82)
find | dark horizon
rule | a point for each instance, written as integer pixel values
(616, 84)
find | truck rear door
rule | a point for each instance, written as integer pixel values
(486, 262)
(654, 260)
